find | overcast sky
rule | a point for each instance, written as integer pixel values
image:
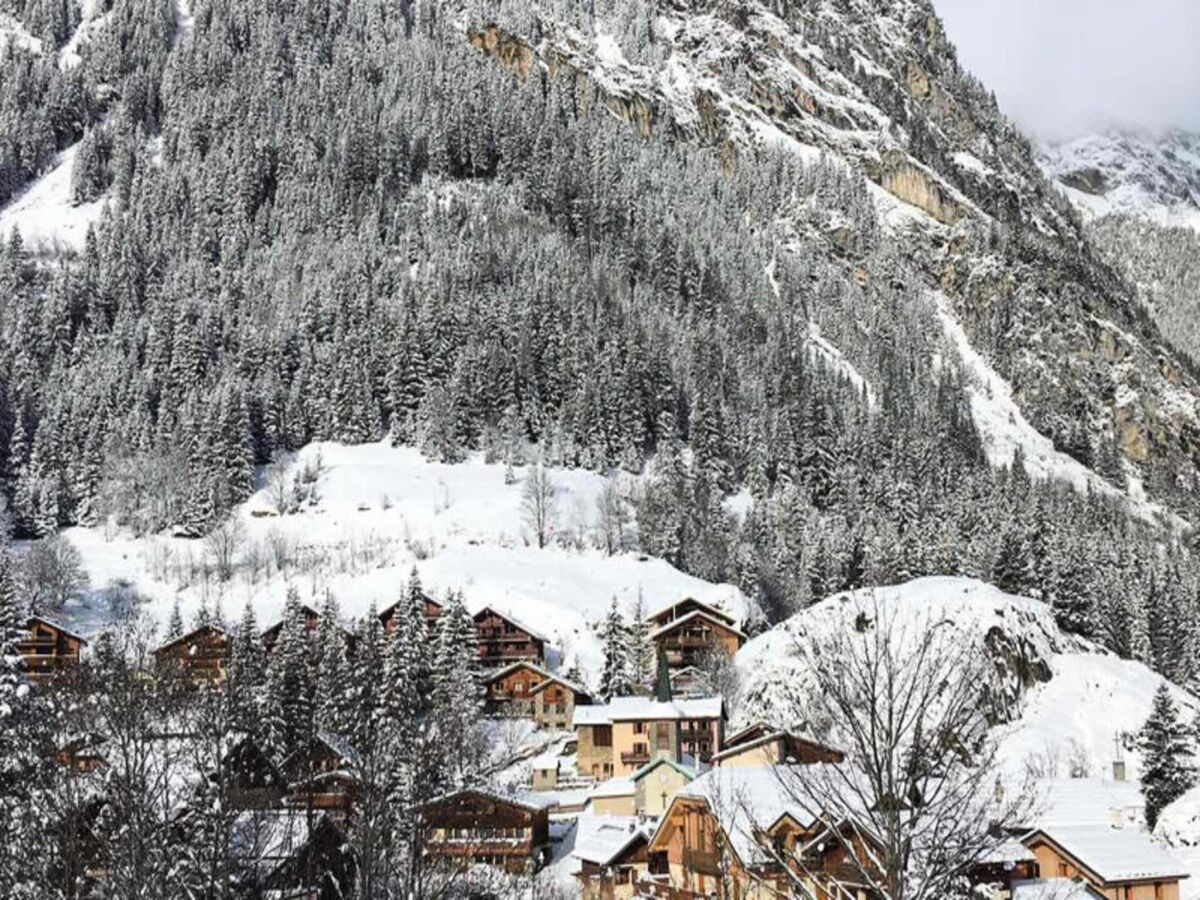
(1065, 67)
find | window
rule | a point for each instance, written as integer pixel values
(639, 727)
(602, 735)
(1062, 870)
(663, 738)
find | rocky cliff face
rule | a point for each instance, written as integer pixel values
(877, 86)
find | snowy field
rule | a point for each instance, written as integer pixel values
(382, 510)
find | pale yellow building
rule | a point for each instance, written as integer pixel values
(622, 736)
(1118, 863)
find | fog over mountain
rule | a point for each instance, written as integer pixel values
(1076, 66)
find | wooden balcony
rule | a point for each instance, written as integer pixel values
(636, 758)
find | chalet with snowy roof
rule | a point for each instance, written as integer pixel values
(690, 681)
(761, 744)
(433, 609)
(526, 690)
(554, 702)
(689, 631)
(623, 735)
(994, 873)
(728, 832)
(48, 648)
(1118, 863)
(612, 856)
(503, 640)
(1053, 889)
(199, 657)
(323, 774)
(477, 825)
(288, 853)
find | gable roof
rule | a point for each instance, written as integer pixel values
(617, 786)
(638, 709)
(548, 677)
(693, 616)
(1054, 889)
(1114, 855)
(309, 612)
(749, 744)
(603, 839)
(184, 638)
(60, 628)
(525, 800)
(385, 613)
(649, 767)
(712, 610)
(1086, 801)
(510, 619)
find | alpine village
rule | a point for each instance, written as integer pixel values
(622, 449)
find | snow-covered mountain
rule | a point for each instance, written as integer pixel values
(1156, 177)
(1044, 686)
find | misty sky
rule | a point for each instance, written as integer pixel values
(1065, 67)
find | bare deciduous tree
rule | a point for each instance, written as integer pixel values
(52, 574)
(906, 701)
(539, 498)
(223, 544)
(614, 515)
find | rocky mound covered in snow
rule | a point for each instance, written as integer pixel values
(1044, 687)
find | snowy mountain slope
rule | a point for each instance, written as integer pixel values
(880, 91)
(1045, 686)
(1153, 177)
(45, 214)
(382, 510)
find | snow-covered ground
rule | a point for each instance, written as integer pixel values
(1091, 700)
(44, 212)
(383, 510)
(12, 31)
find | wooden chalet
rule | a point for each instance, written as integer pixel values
(1117, 863)
(48, 648)
(689, 631)
(554, 702)
(270, 635)
(433, 609)
(200, 657)
(289, 854)
(738, 833)
(526, 690)
(761, 744)
(323, 775)
(503, 640)
(474, 825)
(83, 753)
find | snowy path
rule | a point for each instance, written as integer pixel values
(45, 214)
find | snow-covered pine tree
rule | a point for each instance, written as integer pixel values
(457, 693)
(332, 705)
(289, 713)
(247, 673)
(640, 651)
(175, 623)
(1167, 746)
(615, 678)
(367, 688)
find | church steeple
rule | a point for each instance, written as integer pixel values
(662, 681)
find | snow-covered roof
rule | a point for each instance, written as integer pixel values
(734, 749)
(637, 709)
(1086, 801)
(748, 802)
(57, 626)
(614, 787)
(514, 666)
(1053, 889)
(525, 799)
(508, 617)
(692, 616)
(714, 610)
(1007, 852)
(601, 839)
(1114, 854)
(191, 634)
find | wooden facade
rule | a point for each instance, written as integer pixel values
(477, 826)
(688, 641)
(1056, 861)
(620, 876)
(48, 648)
(554, 702)
(323, 775)
(685, 607)
(509, 690)
(433, 611)
(762, 745)
(200, 657)
(502, 640)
